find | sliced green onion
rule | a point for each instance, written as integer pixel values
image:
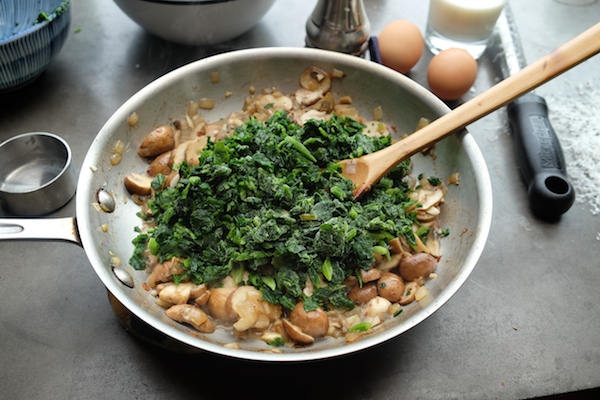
(300, 148)
(308, 217)
(237, 273)
(360, 327)
(338, 192)
(269, 281)
(153, 245)
(327, 269)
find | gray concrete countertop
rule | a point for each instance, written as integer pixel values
(526, 323)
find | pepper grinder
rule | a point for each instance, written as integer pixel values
(339, 25)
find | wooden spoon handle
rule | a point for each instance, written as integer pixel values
(570, 54)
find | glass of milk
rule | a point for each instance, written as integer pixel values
(466, 24)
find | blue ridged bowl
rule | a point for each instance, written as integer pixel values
(32, 33)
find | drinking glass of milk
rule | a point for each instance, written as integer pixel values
(466, 24)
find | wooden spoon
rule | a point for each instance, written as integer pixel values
(367, 170)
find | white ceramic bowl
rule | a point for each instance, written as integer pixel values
(29, 41)
(467, 209)
(196, 22)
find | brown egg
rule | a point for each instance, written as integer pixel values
(401, 45)
(451, 73)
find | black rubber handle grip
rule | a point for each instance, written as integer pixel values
(540, 158)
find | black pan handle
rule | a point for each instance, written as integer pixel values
(540, 158)
(374, 52)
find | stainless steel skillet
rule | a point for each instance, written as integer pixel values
(106, 236)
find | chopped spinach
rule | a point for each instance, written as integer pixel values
(61, 8)
(270, 204)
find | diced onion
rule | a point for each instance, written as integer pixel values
(192, 108)
(337, 73)
(394, 309)
(378, 113)
(345, 100)
(119, 147)
(115, 158)
(421, 293)
(206, 103)
(133, 119)
(139, 200)
(454, 179)
(422, 123)
(189, 122)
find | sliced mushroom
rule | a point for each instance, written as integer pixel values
(170, 293)
(430, 198)
(158, 141)
(178, 154)
(202, 299)
(164, 272)
(372, 274)
(420, 248)
(192, 315)
(193, 148)
(179, 293)
(426, 215)
(243, 302)
(396, 245)
(271, 336)
(326, 104)
(235, 119)
(315, 79)
(307, 97)
(311, 114)
(161, 165)
(347, 110)
(386, 265)
(417, 266)
(273, 102)
(378, 258)
(247, 303)
(295, 333)
(314, 323)
(139, 183)
(217, 304)
(172, 179)
(215, 130)
(409, 293)
(433, 242)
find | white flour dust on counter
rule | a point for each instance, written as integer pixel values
(575, 117)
